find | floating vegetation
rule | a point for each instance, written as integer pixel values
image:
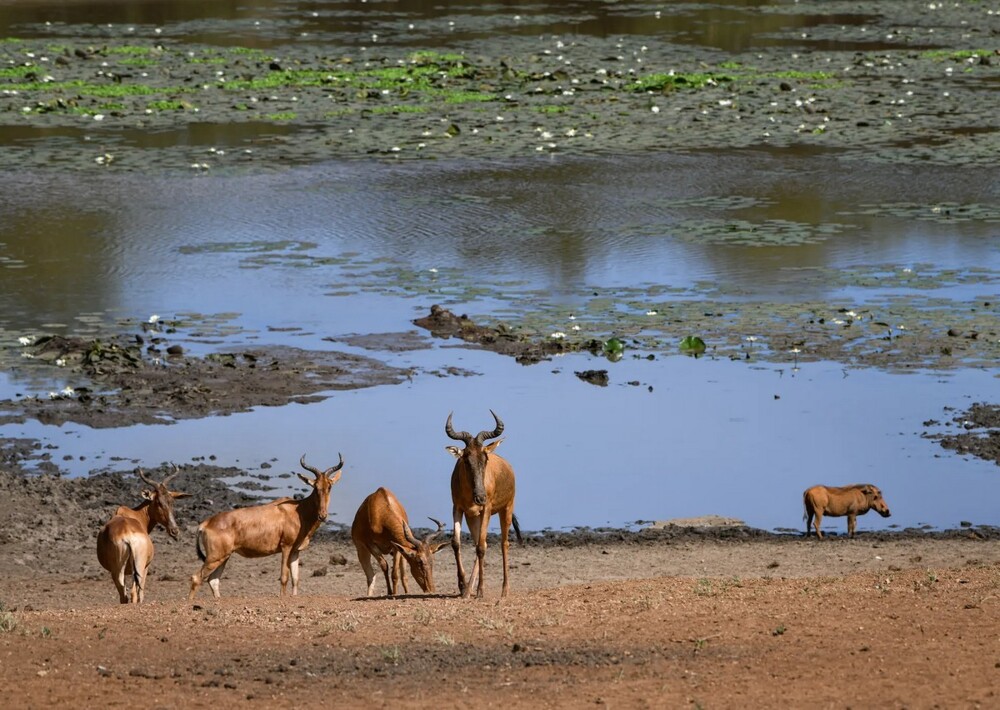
(692, 345)
(942, 212)
(767, 233)
(247, 247)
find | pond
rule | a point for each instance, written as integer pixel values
(648, 246)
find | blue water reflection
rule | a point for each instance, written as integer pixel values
(712, 437)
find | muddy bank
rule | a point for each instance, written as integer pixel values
(150, 378)
(910, 82)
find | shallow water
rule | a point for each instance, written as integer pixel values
(305, 250)
(730, 25)
(713, 437)
(307, 255)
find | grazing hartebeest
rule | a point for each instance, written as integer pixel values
(482, 485)
(124, 547)
(852, 501)
(285, 525)
(381, 528)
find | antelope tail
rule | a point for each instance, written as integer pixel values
(517, 529)
(135, 567)
(198, 547)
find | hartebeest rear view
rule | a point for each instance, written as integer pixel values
(482, 485)
(124, 546)
(381, 527)
(285, 525)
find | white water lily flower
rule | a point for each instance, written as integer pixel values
(27, 356)
(24, 340)
(751, 338)
(654, 109)
(651, 313)
(61, 362)
(575, 327)
(53, 395)
(795, 351)
(433, 270)
(852, 314)
(154, 318)
(558, 335)
(572, 317)
(67, 391)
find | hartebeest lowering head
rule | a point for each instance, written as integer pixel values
(285, 525)
(124, 546)
(482, 485)
(381, 527)
(419, 554)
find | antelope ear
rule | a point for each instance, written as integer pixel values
(437, 548)
(334, 479)
(178, 494)
(454, 451)
(407, 553)
(148, 494)
(307, 481)
(492, 445)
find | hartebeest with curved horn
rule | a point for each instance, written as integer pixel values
(381, 528)
(482, 485)
(285, 525)
(124, 546)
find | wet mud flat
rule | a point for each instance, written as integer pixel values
(906, 82)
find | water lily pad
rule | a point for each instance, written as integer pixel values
(693, 345)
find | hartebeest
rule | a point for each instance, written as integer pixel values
(381, 528)
(124, 547)
(285, 525)
(482, 485)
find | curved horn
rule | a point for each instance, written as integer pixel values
(460, 436)
(484, 435)
(142, 475)
(430, 537)
(314, 471)
(338, 466)
(409, 536)
(173, 475)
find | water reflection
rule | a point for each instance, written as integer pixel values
(732, 25)
(713, 437)
(113, 244)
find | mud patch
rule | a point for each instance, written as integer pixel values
(125, 380)
(980, 435)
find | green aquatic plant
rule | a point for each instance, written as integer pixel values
(693, 345)
(670, 81)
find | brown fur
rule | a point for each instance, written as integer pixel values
(497, 492)
(381, 527)
(285, 525)
(852, 501)
(124, 546)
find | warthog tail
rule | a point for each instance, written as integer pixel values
(517, 529)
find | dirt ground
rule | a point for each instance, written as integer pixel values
(666, 617)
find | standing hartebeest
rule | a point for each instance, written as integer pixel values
(124, 546)
(285, 525)
(381, 528)
(482, 485)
